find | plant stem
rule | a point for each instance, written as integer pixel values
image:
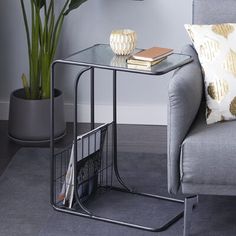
(28, 43)
(35, 15)
(57, 32)
(52, 49)
(42, 42)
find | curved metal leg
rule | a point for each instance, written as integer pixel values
(115, 134)
(92, 97)
(75, 140)
(123, 223)
(52, 172)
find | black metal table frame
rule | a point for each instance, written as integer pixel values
(124, 188)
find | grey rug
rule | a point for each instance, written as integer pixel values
(25, 208)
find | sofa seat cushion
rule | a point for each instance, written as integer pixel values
(208, 154)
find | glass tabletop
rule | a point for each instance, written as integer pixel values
(101, 56)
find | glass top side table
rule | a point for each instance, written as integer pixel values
(101, 56)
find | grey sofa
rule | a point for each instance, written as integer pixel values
(201, 158)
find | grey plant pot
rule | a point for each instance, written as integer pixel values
(29, 120)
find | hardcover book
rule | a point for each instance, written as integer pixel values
(152, 54)
(134, 61)
(140, 67)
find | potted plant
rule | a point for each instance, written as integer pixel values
(29, 114)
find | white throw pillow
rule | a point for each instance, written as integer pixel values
(216, 48)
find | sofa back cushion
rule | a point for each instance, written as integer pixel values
(214, 11)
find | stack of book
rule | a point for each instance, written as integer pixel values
(145, 59)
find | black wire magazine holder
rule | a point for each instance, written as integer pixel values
(92, 169)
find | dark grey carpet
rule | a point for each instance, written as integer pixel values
(25, 208)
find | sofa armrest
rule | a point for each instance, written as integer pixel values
(185, 95)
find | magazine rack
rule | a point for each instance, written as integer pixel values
(77, 181)
(95, 172)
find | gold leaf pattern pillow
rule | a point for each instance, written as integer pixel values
(216, 48)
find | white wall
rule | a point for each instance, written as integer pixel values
(141, 99)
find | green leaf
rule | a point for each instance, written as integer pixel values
(74, 4)
(40, 3)
(26, 86)
(26, 27)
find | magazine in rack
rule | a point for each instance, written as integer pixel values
(89, 147)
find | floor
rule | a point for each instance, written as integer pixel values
(214, 216)
(148, 139)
